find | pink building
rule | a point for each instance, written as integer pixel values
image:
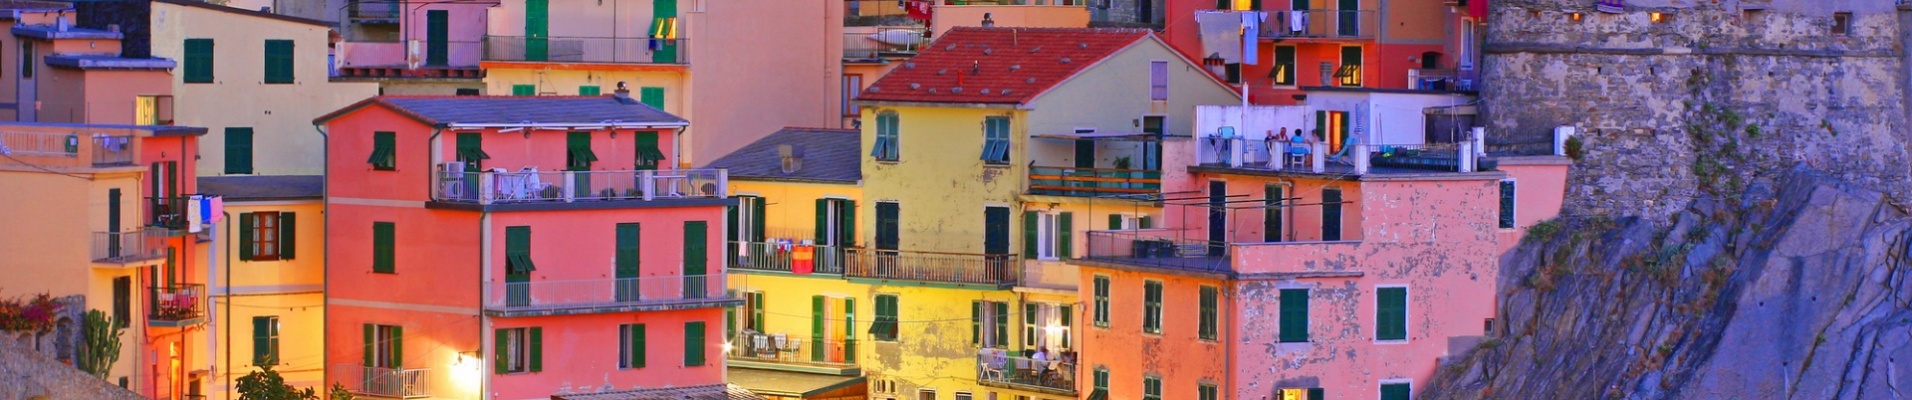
(1292, 276)
(413, 48)
(519, 247)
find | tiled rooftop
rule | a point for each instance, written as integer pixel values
(528, 110)
(998, 65)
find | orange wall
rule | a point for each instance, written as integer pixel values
(582, 350)
(1177, 355)
(349, 145)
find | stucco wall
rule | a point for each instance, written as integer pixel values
(1177, 355)
(790, 207)
(940, 181)
(580, 353)
(564, 81)
(945, 16)
(1119, 88)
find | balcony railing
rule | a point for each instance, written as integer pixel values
(1449, 80)
(933, 267)
(1158, 248)
(176, 305)
(405, 383)
(570, 186)
(638, 50)
(168, 212)
(1066, 181)
(871, 44)
(69, 149)
(373, 11)
(779, 257)
(1001, 370)
(129, 247)
(783, 349)
(552, 295)
(1325, 24)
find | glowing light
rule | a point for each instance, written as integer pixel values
(727, 347)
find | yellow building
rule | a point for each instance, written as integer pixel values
(267, 287)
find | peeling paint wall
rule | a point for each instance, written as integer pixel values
(940, 182)
(1177, 355)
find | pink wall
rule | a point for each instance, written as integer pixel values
(581, 244)
(112, 95)
(465, 35)
(546, 149)
(349, 145)
(1540, 185)
(582, 350)
(1178, 354)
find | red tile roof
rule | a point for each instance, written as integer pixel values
(998, 65)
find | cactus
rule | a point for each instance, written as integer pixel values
(102, 347)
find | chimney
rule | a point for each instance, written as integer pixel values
(61, 24)
(622, 92)
(792, 156)
(988, 22)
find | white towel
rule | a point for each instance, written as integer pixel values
(1221, 34)
(1251, 32)
(1298, 21)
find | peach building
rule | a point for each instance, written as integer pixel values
(1285, 270)
(519, 247)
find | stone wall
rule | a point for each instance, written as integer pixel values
(1713, 96)
(29, 374)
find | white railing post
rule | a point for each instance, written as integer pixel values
(569, 187)
(723, 184)
(1360, 159)
(1278, 155)
(1479, 135)
(486, 187)
(1466, 157)
(647, 181)
(1320, 151)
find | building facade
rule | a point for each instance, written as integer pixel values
(267, 286)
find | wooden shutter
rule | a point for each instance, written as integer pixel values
(398, 347)
(976, 322)
(288, 235)
(279, 61)
(537, 349)
(651, 96)
(1029, 324)
(371, 339)
(238, 151)
(638, 346)
(1065, 233)
(199, 60)
(628, 250)
(849, 329)
(847, 228)
(1316, 394)
(887, 221)
(1391, 314)
(382, 251)
(518, 250)
(1395, 391)
(1294, 315)
(502, 355)
(823, 224)
(696, 240)
(588, 90)
(524, 90)
(1002, 324)
(757, 218)
(1506, 204)
(816, 328)
(1115, 222)
(1144, 223)
(245, 236)
(756, 310)
(693, 344)
(1030, 226)
(261, 339)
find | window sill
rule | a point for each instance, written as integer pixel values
(883, 161)
(1004, 164)
(1390, 341)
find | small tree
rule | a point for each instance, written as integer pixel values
(102, 347)
(339, 392)
(266, 384)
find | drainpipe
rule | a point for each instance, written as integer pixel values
(227, 393)
(677, 146)
(325, 211)
(484, 297)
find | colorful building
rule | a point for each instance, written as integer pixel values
(111, 220)
(276, 63)
(267, 286)
(472, 239)
(425, 48)
(1288, 273)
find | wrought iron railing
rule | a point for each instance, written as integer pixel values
(549, 294)
(142, 244)
(167, 212)
(786, 257)
(1158, 248)
(957, 268)
(625, 50)
(569, 186)
(1327, 24)
(174, 304)
(383, 382)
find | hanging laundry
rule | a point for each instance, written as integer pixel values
(1221, 33)
(919, 9)
(1297, 22)
(1250, 35)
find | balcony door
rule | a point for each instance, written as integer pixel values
(537, 30)
(664, 14)
(1350, 19)
(437, 37)
(1217, 218)
(113, 239)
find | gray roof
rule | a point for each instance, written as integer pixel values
(254, 187)
(705, 392)
(502, 110)
(71, 32)
(829, 155)
(84, 61)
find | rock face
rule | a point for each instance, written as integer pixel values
(29, 374)
(1795, 290)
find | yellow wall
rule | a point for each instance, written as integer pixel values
(283, 140)
(289, 289)
(940, 181)
(790, 207)
(1119, 87)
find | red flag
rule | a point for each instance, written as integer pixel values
(919, 9)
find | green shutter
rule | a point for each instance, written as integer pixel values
(693, 344)
(1330, 214)
(1145, 222)
(1065, 235)
(398, 347)
(499, 356)
(384, 151)
(518, 250)
(1321, 121)
(245, 236)
(471, 150)
(757, 218)
(1391, 314)
(730, 219)
(849, 327)
(651, 96)
(1115, 222)
(816, 328)
(382, 251)
(238, 150)
(666, 52)
(537, 30)
(976, 322)
(279, 61)
(696, 239)
(628, 250)
(1002, 324)
(524, 90)
(756, 310)
(370, 339)
(730, 319)
(1271, 213)
(1210, 299)
(1066, 313)
(1506, 204)
(638, 346)
(288, 235)
(648, 155)
(578, 154)
(1029, 226)
(1029, 311)
(261, 339)
(1395, 391)
(199, 60)
(848, 225)
(823, 224)
(537, 349)
(1294, 315)
(588, 90)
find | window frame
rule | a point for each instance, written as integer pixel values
(270, 340)
(1101, 289)
(234, 135)
(388, 346)
(1349, 73)
(887, 146)
(1381, 387)
(1842, 24)
(261, 240)
(632, 354)
(1151, 387)
(386, 261)
(1152, 293)
(1207, 391)
(191, 62)
(1509, 204)
(517, 353)
(1158, 80)
(884, 327)
(1406, 312)
(1277, 73)
(1209, 321)
(996, 140)
(280, 63)
(384, 151)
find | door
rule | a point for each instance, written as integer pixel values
(1145, 11)
(27, 94)
(1350, 21)
(626, 263)
(436, 37)
(537, 29)
(113, 223)
(1217, 218)
(1153, 126)
(1084, 153)
(665, 12)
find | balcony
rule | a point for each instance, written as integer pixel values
(878, 43)
(777, 257)
(1159, 248)
(1443, 80)
(403, 383)
(176, 306)
(53, 149)
(639, 50)
(1321, 24)
(587, 296)
(961, 269)
(373, 12)
(419, 59)
(1024, 373)
(129, 249)
(1354, 158)
(1093, 182)
(487, 188)
(794, 353)
(168, 213)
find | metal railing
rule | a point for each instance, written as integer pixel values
(1158, 248)
(784, 349)
(1068, 181)
(1328, 24)
(176, 303)
(167, 212)
(372, 11)
(631, 50)
(98, 149)
(606, 292)
(884, 41)
(384, 382)
(1001, 370)
(785, 257)
(570, 186)
(1451, 80)
(958, 268)
(122, 247)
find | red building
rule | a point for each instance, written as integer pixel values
(519, 247)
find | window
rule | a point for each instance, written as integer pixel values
(1396, 391)
(384, 346)
(694, 343)
(265, 340)
(471, 151)
(1152, 307)
(238, 150)
(588, 90)
(852, 84)
(27, 59)
(384, 151)
(989, 324)
(1350, 72)
(996, 140)
(1231, 72)
(625, 264)
(123, 301)
(887, 221)
(1211, 299)
(467, 92)
(1101, 384)
(518, 250)
(1272, 199)
(965, 396)
(1283, 72)
(648, 154)
(886, 147)
(1294, 315)
(265, 236)
(696, 252)
(884, 328)
(520, 350)
(1124, 221)
(753, 315)
(651, 96)
(1158, 80)
(1302, 393)
(1390, 313)
(278, 61)
(926, 394)
(1507, 204)
(382, 251)
(524, 90)
(578, 155)
(630, 346)
(747, 219)
(836, 222)
(1330, 214)
(1842, 23)
(1208, 391)
(1151, 388)
(1101, 301)
(198, 60)
(1047, 235)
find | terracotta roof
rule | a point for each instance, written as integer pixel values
(829, 155)
(998, 65)
(505, 110)
(706, 392)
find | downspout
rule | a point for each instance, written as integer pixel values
(677, 147)
(325, 211)
(227, 218)
(484, 297)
